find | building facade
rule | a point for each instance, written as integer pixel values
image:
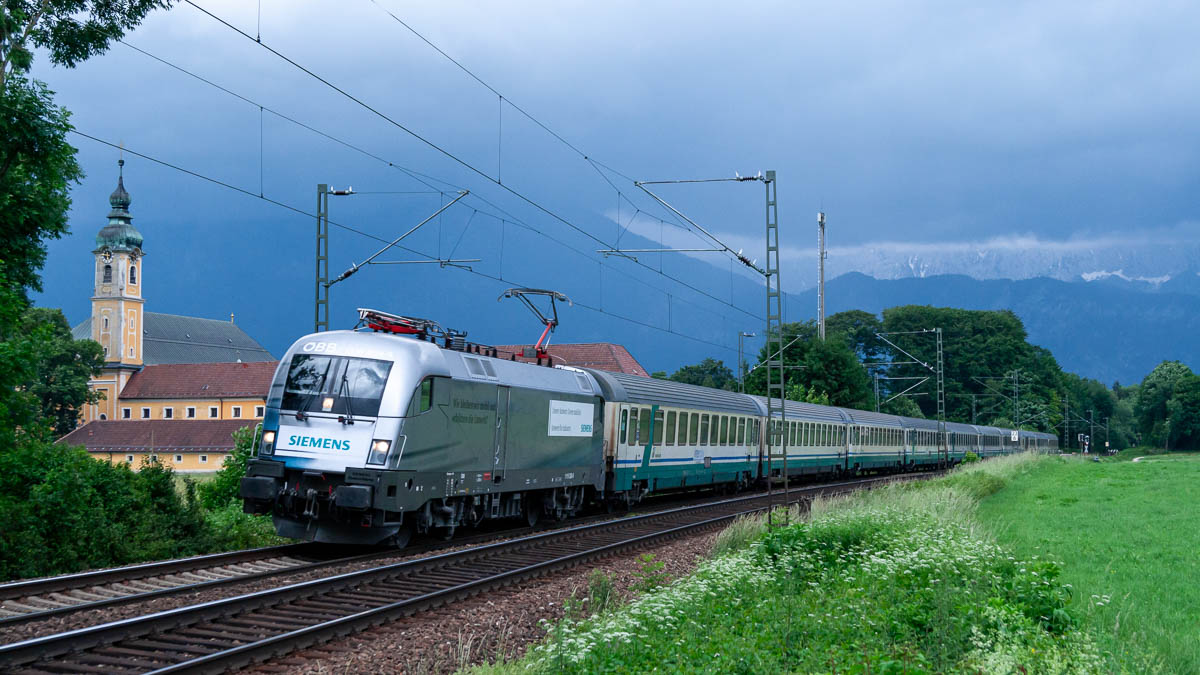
(203, 378)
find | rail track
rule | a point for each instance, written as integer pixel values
(234, 632)
(32, 600)
(35, 599)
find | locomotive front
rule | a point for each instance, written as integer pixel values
(334, 423)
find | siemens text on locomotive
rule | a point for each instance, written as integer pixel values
(370, 436)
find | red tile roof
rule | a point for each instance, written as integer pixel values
(156, 435)
(201, 380)
(599, 355)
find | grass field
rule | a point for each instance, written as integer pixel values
(899, 580)
(1128, 535)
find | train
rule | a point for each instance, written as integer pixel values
(374, 434)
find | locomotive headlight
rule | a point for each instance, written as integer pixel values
(268, 443)
(379, 451)
(327, 404)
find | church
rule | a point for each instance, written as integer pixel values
(175, 388)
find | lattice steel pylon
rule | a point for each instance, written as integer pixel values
(943, 439)
(321, 320)
(775, 372)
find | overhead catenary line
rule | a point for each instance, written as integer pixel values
(438, 148)
(443, 151)
(347, 228)
(425, 178)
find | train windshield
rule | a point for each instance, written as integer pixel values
(339, 385)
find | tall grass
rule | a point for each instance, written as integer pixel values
(900, 579)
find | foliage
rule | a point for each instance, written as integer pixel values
(970, 457)
(1153, 408)
(899, 580)
(858, 329)
(649, 575)
(708, 373)
(233, 530)
(71, 31)
(37, 166)
(62, 511)
(816, 367)
(601, 595)
(798, 392)
(904, 406)
(1127, 534)
(223, 489)
(53, 375)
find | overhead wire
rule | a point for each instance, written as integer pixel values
(417, 175)
(446, 153)
(275, 202)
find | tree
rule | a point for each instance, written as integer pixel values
(708, 373)
(903, 406)
(817, 368)
(1154, 395)
(1184, 414)
(37, 165)
(61, 368)
(858, 329)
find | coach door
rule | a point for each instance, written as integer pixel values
(500, 443)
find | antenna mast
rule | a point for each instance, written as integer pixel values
(821, 275)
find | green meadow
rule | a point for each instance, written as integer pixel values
(1128, 537)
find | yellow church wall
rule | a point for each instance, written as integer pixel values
(183, 462)
(225, 408)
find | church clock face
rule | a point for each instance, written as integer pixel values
(106, 256)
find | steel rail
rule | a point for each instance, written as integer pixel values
(194, 638)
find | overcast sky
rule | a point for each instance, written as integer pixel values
(935, 123)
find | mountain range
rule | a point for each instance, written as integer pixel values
(1110, 328)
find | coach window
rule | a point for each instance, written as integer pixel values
(672, 420)
(624, 425)
(658, 427)
(644, 427)
(723, 435)
(631, 438)
(741, 431)
(694, 429)
(704, 430)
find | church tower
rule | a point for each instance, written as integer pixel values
(117, 303)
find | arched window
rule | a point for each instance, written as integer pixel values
(133, 274)
(108, 274)
(106, 323)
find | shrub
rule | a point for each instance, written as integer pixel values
(230, 529)
(62, 511)
(601, 595)
(970, 457)
(223, 488)
(649, 575)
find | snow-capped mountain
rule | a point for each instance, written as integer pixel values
(1149, 262)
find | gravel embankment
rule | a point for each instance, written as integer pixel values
(485, 627)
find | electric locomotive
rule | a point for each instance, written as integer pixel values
(368, 436)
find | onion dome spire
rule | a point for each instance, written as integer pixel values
(119, 234)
